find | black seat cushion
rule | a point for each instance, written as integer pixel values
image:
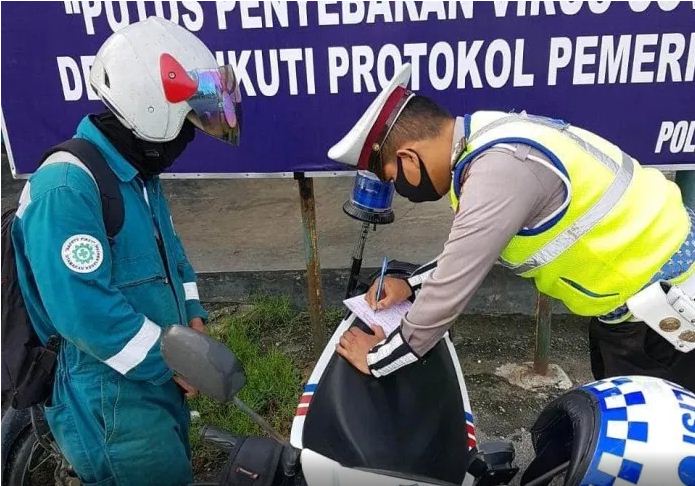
(411, 422)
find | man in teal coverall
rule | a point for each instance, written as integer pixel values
(117, 411)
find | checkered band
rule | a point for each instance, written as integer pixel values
(677, 265)
(622, 426)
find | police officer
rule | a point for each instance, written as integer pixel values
(117, 411)
(552, 202)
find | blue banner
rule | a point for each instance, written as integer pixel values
(308, 69)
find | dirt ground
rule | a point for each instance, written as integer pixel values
(504, 411)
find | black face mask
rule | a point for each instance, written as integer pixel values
(425, 191)
(149, 158)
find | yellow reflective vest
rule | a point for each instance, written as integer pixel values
(619, 225)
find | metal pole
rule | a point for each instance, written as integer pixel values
(357, 260)
(543, 319)
(311, 254)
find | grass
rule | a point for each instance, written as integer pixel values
(271, 339)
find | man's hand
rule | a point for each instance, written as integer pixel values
(355, 344)
(394, 291)
(188, 389)
(198, 324)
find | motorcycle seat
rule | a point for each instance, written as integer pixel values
(411, 422)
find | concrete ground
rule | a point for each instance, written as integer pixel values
(244, 236)
(234, 225)
(258, 225)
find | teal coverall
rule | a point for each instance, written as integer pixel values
(115, 412)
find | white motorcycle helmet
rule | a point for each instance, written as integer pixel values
(631, 430)
(154, 74)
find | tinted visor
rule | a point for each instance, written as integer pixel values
(216, 104)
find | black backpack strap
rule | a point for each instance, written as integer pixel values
(111, 198)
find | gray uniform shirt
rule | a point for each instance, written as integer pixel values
(504, 190)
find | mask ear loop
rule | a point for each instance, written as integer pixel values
(424, 173)
(421, 167)
(399, 164)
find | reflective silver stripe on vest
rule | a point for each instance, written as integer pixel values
(583, 144)
(583, 224)
(486, 128)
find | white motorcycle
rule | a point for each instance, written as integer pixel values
(416, 427)
(413, 428)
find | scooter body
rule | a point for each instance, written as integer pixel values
(412, 427)
(320, 470)
(415, 427)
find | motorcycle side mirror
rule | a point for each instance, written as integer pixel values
(204, 362)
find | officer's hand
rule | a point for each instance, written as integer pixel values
(394, 291)
(198, 324)
(355, 344)
(188, 389)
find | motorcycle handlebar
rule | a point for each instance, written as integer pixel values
(219, 438)
(227, 443)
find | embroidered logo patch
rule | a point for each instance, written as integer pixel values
(82, 253)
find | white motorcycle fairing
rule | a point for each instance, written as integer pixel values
(321, 470)
(412, 427)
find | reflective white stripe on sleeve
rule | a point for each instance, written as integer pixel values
(421, 274)
(417, 280)
(135, 350)
(191, 291)
(390, 354)
(395, 365)
(384, 348)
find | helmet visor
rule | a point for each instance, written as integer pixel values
(216, 103)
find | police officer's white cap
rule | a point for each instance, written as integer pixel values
(360, 147)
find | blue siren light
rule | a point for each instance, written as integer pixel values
(371, 194)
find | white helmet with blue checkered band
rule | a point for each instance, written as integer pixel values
(622, 431)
